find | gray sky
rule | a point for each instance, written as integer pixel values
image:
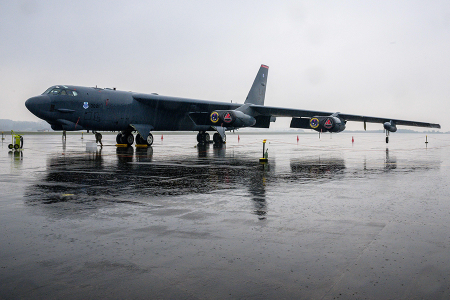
(377, 58)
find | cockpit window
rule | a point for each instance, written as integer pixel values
(60, 91)
(55, 91)
(47, 90)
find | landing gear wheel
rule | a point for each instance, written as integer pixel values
(150, 139)
(140, 140)
(119, 138)
(387, 140)
(203, 137)
(125, 138)
(129, 139)
(218, 139)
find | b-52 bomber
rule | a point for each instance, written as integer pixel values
(67, 107)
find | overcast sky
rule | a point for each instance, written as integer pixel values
(377, 58)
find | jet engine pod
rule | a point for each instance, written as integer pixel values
(327, 124)
(390, 126)
(231, 118)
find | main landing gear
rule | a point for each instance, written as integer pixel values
(204, 138)
(387, 136)
(140, 140)
(218, 139)
(127, 138)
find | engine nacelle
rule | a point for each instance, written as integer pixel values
(231, 118)
(390, 126)
(331, 123)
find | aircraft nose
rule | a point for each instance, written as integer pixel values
(38, 105)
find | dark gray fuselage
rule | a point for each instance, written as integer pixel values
(111, 110)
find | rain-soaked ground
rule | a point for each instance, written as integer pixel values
(325, 219)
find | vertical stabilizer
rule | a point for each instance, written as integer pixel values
(258, 91)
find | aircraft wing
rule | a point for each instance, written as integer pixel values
(182, 104)
(300, 113)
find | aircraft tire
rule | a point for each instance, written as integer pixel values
(387, 140)
(217, 138)
(129, 138)
(150, 139)
(203, 137)
(140, 140)
(119, 138)
(199, 138)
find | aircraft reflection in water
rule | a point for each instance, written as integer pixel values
(390, 162)
(95, 179)
(317, 169)
(134, 177)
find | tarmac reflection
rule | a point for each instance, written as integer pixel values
(94, 177)
(317, 169)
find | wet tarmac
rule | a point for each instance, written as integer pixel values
(324, 219)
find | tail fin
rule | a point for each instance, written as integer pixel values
(257, 93)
